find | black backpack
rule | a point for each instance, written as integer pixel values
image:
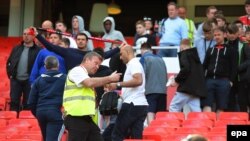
(108, 103)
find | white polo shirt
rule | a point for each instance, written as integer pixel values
(134, 94)
(77, 75)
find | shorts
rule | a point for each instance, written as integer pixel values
(156, 102)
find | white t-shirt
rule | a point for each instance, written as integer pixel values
(77, 75)
(72, 42)
(134, 94)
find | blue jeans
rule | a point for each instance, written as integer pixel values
(167, 52)
(19, 88)
(130, 119)
(51, 124)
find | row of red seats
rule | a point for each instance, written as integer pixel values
(7, 115)
(203, 115)
(22, 127)
(6, 46)
(174, 126)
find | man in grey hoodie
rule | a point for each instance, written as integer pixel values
(78, 27)
(110, 32)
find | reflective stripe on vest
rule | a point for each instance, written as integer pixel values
(78, 101)
(190, 28)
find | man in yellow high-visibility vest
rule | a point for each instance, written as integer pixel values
(190, 23)
(79, 99)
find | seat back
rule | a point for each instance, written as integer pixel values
(233, 116)
(202, 115)
(170, 115)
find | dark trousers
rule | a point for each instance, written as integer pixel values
(244, 96)
(51, 124)
(130, 119)
(82, 129)
(233, 105)
(19, 88)
(108, 132)
(218, 91)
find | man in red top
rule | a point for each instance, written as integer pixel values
(246, 18)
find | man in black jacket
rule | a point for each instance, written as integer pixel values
(219, 65)
(18, 66)
(190, 80)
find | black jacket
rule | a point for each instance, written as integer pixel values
(238, 48)
(244, 67)
(13, 60)
(101, 72)
(191, 76)
(221, 63)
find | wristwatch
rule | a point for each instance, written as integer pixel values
(118, 85)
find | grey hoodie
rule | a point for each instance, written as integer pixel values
(112, 35)
(90, 45)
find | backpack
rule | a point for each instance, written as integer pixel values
(109, 103)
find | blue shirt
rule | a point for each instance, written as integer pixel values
(173, 31)
(202, 46)
(38, 67)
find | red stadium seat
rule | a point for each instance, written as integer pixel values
(2, 136)
(20, 140)
(156, 133)
(198, 123)
(2, 103)
(37, 137)
(3, 123)
(4, 86)
(170, 115)
(233, 116)
(26, 115)
(166, 123)
(11, 131)
(220, 130)
(8, 114)
(224, 123)
(19, 123)
(175, 137)
(192, 130)
(202, 115)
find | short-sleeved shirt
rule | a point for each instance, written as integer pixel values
(134, 94)
(78, 75)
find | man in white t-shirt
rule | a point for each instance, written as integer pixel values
(78, 120)
(134, 108)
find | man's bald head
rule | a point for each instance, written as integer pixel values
(126, 53)
(128, 48)
(47, 24)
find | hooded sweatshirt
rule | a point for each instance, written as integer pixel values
(47, 91)
(90, 45)
(112, 35)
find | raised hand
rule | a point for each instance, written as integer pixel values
(115, 77)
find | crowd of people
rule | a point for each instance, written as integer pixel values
(61, 78)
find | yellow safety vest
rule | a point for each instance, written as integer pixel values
(190, 27)
(78, 101)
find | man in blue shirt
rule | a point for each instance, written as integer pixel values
(173, 30)
(204, 43)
